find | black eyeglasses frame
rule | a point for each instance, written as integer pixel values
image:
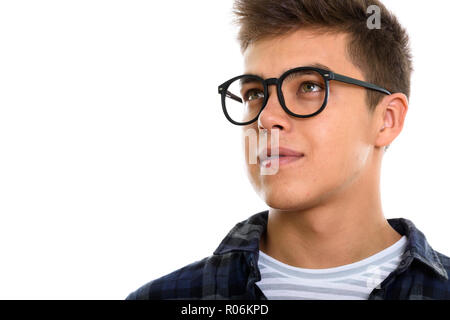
(327, 75)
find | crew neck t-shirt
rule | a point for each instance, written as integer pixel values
(355, 281)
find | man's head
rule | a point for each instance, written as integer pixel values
(344, 143)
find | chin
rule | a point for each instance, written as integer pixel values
(285, 198)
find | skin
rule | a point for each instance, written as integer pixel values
(324, 209)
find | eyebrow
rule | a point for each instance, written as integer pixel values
(315, 65)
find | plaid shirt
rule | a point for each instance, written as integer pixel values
(232, 270)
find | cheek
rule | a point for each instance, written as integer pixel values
(332, 145)
(253, 172)
(341, 149)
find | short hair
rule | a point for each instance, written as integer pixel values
(383, 55)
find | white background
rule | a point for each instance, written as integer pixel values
(117, 165)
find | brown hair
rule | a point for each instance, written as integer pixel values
(383, 55)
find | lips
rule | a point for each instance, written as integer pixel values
(282, 152)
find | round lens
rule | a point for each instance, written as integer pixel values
(244, 98)
(304, 92)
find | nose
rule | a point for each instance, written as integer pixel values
(273, 114)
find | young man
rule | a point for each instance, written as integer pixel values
(334, 93)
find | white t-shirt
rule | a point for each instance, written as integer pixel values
(355, 281)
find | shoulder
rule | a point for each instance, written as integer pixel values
(202, 279)
(185, 281)
(222, 275)
(445, 261)
(429, 285)
(441, 288)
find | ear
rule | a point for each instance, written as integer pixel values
(391, 113)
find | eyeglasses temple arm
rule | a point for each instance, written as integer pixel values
(339, 77)
(230, 95)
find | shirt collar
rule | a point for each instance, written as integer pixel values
(245, 235)
(418, 246)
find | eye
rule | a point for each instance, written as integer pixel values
(310, 87)
(253, 94)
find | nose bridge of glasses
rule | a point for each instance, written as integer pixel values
(269, 82)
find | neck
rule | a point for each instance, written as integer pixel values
(346, 227)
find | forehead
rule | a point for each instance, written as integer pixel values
(272, 56)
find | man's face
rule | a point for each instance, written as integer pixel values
(336, 143)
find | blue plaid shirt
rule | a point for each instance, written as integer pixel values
(232, 270)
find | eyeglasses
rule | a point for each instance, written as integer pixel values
(302, 92)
